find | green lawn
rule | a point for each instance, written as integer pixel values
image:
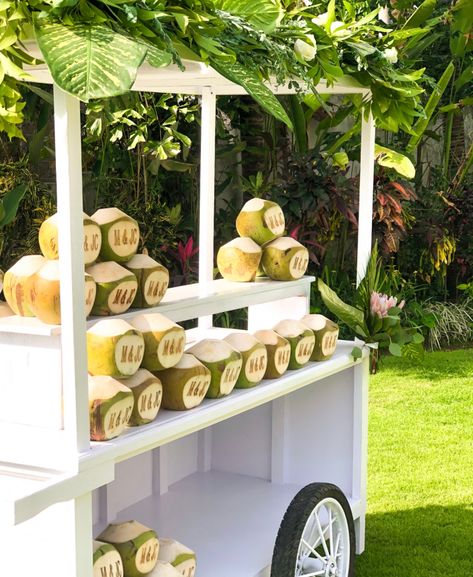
(420, 468)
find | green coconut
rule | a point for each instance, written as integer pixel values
(164, 340)
(254, 356)
(114, 348)
(18, 284)
(120, 234)
(110, 407)
(261, 220)
(279, 353)
(148, 393)
(138, 546)
(153, 280)
(116, 288)
(301, 339)
(178, 555)
(224, 363)
(185, 384)
(106, 560)
(46, 293)
(49, 235)
(326, 336)
(165, 569)
(285, 259)
(239, 259)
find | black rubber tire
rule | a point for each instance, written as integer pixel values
(292, 526)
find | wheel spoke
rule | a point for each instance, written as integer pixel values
(321, 536)
(330, 530)
(314, 552)
(312, 574)
(337, 545)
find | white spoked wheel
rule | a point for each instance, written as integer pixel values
(316, 536)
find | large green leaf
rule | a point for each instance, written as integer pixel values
(351, 316)
(89, 61)
(392, 159)
(262, 14)
(421, 14)
(255, 88)
(10, 204)
(430, 107)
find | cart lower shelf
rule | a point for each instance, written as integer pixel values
(230, 520)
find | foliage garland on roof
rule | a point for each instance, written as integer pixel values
(94, 48)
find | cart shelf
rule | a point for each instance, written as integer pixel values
(185, 302)
(230, 519)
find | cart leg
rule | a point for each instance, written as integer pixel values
(360, 534)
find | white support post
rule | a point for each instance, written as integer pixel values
(207, 195)
(365, 210)
(69, 203)
(360, 445)
(204, 450)
(278, 447)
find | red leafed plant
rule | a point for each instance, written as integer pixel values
(391, 211)
(185, 254)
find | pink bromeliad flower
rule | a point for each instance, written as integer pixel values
(381, 304)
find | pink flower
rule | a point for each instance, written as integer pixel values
(380, 304)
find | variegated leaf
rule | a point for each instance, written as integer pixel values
(262, 14)
(89, 61)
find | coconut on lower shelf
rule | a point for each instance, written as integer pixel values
(110, 407)
(120, 234)
(49, 235)
(254, 356)
(148, 394)
(153, 280)
(185, 384)
(224, 363)
(301, 339)
(261, 220)
(279, 352)
(326, 336)
(46, 293)
(138, 546)
(114, 348)
(116, 288)
(239, 259)
(164, 340)
(18, 284)
(106, 560)
(285, 259)
(178, 555)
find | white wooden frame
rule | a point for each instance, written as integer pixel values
(74, 470)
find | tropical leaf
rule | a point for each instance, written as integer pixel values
(430, 107)
(10, 203)
(351, 316)
(89, 61)
(255, 88)
(392, 159)
(421, 14)
(265, 15)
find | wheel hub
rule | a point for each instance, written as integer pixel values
(331, 569)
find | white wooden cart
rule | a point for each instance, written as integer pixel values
(219, 477)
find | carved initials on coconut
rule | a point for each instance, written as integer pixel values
(276, 221)
(230, 374)
(132, 354)
(124, 296)
(149, 553)
(283, 355)
(112, 570)
(92, 243)
(147, 402)
(125, 236)
(116, 420)
(257, 364)
(304, 349)
(155, 289)
(173, 346)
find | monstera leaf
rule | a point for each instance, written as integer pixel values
(264, 15)
(89, 61)
(255, 88)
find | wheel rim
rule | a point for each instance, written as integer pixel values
(324, 548)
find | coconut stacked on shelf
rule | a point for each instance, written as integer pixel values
(116, 277)
(261, 246)
(130, 549)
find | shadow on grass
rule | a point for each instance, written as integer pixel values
(437, 365)
(433, 541)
